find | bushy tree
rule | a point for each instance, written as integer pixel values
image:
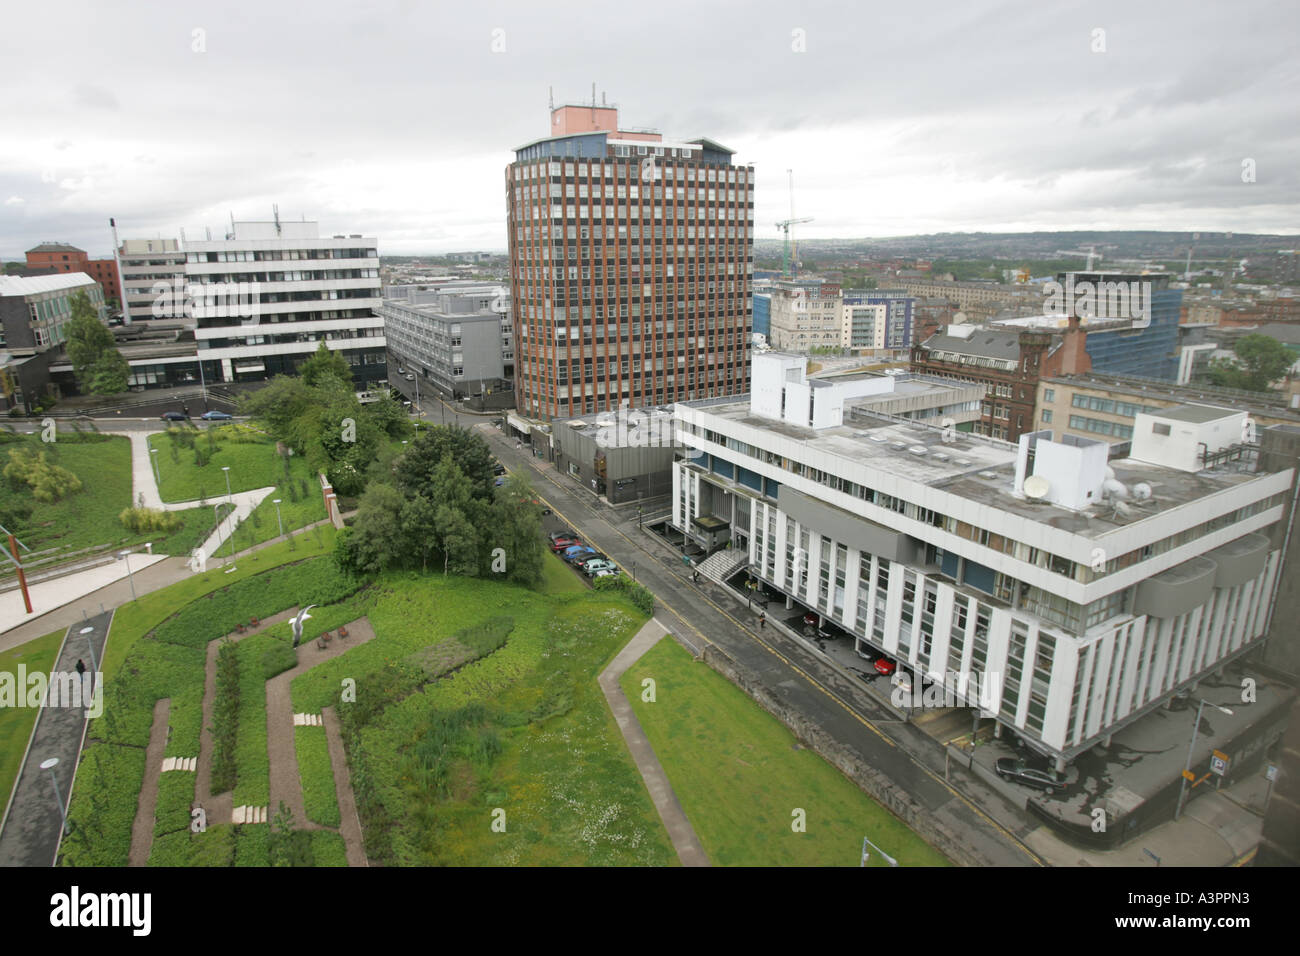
(325, 362)
(98, 366)
(1259, 362)
(48, 482)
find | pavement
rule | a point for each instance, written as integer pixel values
(32, 829)
(685, 841)
(57, 592)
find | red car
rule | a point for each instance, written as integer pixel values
(884, 666)
(561, 544)
(811, 619)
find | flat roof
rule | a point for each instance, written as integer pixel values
(978, 468)
(32, 285)
(1199, 414)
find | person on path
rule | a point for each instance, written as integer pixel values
(81, 669)
(762, 619)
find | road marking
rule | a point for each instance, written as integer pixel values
(811, 680)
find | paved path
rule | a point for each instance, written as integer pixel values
(52, 594)
(670, 810)
(32, 827)
(350, 825)
(146, 808)
(143, 484)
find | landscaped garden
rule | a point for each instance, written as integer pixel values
(56, 517)
(740, 775)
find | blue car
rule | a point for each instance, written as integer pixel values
(578, 550)
(500, 481)
(215, 416)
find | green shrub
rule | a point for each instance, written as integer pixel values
(150, 520)
(320, 800)
(225, 718)
(48, 482)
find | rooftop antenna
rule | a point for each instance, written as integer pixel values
(593, 102)
(550, 90)
(275, 208)
(602, 98)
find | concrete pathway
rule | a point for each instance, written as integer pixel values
(144, 484)
(680, 831)
(32, 827)
(50, 595)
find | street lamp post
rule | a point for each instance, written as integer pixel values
(867, 843)
(126, 556)
(226, 469)
(276, 502)
(90, 643)
(157, 477)
(1187, 770)
(49, 765)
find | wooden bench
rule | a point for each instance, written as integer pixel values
(343, 632)
(323, 641)
(254, 622)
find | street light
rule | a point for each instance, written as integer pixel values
(276, 502)
(867, 843)
(226, 469)
(156, 475)
(90, 643)
(1187, 771)
(125, 556)
(49, 765)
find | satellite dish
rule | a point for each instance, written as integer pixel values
(1142, 491)
(1114, 489)
(1036, 486)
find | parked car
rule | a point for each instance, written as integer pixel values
(606, 573)
(501, 480)
(867, 653)
(498, 468)
(884, 665)
(828, 631)
(216, 416)
(580, 555)
(598, 564)
(175, 417)
(1017, 771)
(563, 543)
(555, 536)
(811, 620)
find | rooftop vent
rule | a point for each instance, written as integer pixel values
(990, 475)
(898, 445)
(940, 456)
(878, 438)
(917, 449)
(963, 462)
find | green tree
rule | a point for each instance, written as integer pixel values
(325, 362)
(376, 540)
(279, 403)
(389, 417)
(420, 526)
(516, 527)
(98, 366)
(415, 469)
(1259, 362)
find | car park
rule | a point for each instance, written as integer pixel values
(175, 417)
(216, 416)
(598, 564)
(1018, 771)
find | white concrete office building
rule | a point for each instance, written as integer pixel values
(144, 264)
(1061, 593)
(309, 289)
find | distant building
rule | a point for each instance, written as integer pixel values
(762, 313)
(806, 314)
(305, 289)
(1008, 362)
(630, 259)
(460, 342)
(145, 264)
(896, 333)
(34, 314)
(622, 455)
(61, 257)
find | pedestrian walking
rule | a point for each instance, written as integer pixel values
(81, 669)
(762, 619)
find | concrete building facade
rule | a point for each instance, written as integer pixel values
(1057, 591)
(630, 267)
(461, 343)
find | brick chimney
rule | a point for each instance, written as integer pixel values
(1075, 359)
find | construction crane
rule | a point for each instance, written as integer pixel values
(787, 261)
(1091, 252)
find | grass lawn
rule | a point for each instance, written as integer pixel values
(559, 578)
(16, 722)
(253, 464)
(740, 775)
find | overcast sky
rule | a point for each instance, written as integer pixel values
(396, 118)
